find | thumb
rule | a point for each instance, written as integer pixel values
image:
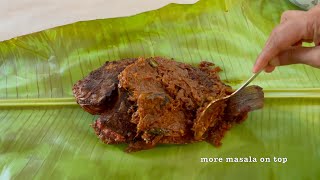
(298, 55)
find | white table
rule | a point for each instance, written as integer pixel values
(20, 17)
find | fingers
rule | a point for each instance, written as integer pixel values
(314, 26)
(282, 37)
(291, 14)
(269, 69)
(294, 29)
(298, 55)
(316, 34)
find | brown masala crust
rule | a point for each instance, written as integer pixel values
(97, 91)
(118, 116)
(150, 101)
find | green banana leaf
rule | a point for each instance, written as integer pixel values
(44, 134)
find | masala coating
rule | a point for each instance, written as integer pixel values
(148, 101)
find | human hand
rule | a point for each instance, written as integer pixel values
(284, 45)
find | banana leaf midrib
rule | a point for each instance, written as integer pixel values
(70, 101)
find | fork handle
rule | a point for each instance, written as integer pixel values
(247, 82)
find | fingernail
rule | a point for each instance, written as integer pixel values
(254, 69)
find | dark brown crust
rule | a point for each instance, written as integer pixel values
(107, 135)
(159, 101)
(117, 118)
(97, 91)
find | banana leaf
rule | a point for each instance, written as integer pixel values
(46, 135)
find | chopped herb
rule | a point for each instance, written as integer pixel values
(153, 63)
(156, 131)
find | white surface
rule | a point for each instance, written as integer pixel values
(20, 17)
